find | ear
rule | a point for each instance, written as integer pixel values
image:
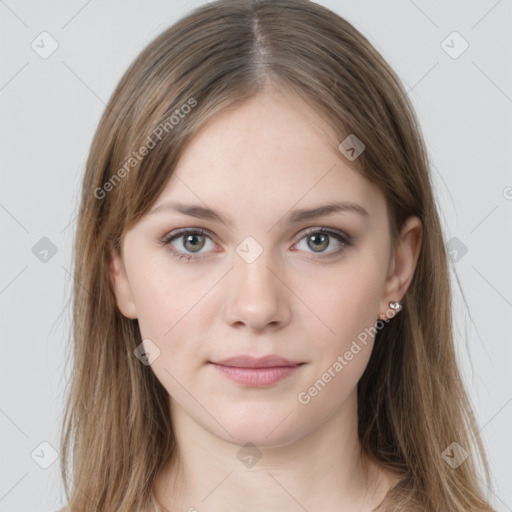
(402, 264)
(121, 286)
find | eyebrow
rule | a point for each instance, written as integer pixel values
(292, 217)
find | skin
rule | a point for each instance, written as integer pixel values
(250, 165)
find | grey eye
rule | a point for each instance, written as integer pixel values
(194, 242)
(318, 242)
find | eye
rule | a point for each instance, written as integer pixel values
(189, 242)
(320, 239)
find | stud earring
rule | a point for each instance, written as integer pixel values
(396, 306)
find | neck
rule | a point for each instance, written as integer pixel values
(323, 470)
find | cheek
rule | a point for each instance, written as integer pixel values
(166, 295)
(168, 309)
(174, 311)
(346, 300)
(349, 306)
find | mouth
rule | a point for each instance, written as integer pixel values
(257, 372)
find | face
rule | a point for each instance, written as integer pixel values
(262, 276)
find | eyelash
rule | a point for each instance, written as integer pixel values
(344, 239)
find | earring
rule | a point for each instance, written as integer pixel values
(396, 306)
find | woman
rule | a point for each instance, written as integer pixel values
(262, 309)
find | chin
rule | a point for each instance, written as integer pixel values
(261, 439)
(269, 429)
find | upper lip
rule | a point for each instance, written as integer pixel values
(246, 361)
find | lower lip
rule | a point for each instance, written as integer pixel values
(256, 377)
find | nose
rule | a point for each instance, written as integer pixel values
(256, 296)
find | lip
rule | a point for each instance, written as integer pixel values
(256, 372)
(246, 361)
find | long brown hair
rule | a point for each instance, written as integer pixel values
(412, 404)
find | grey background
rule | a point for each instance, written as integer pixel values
(50, 108)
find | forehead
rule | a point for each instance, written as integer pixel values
(265, 155)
